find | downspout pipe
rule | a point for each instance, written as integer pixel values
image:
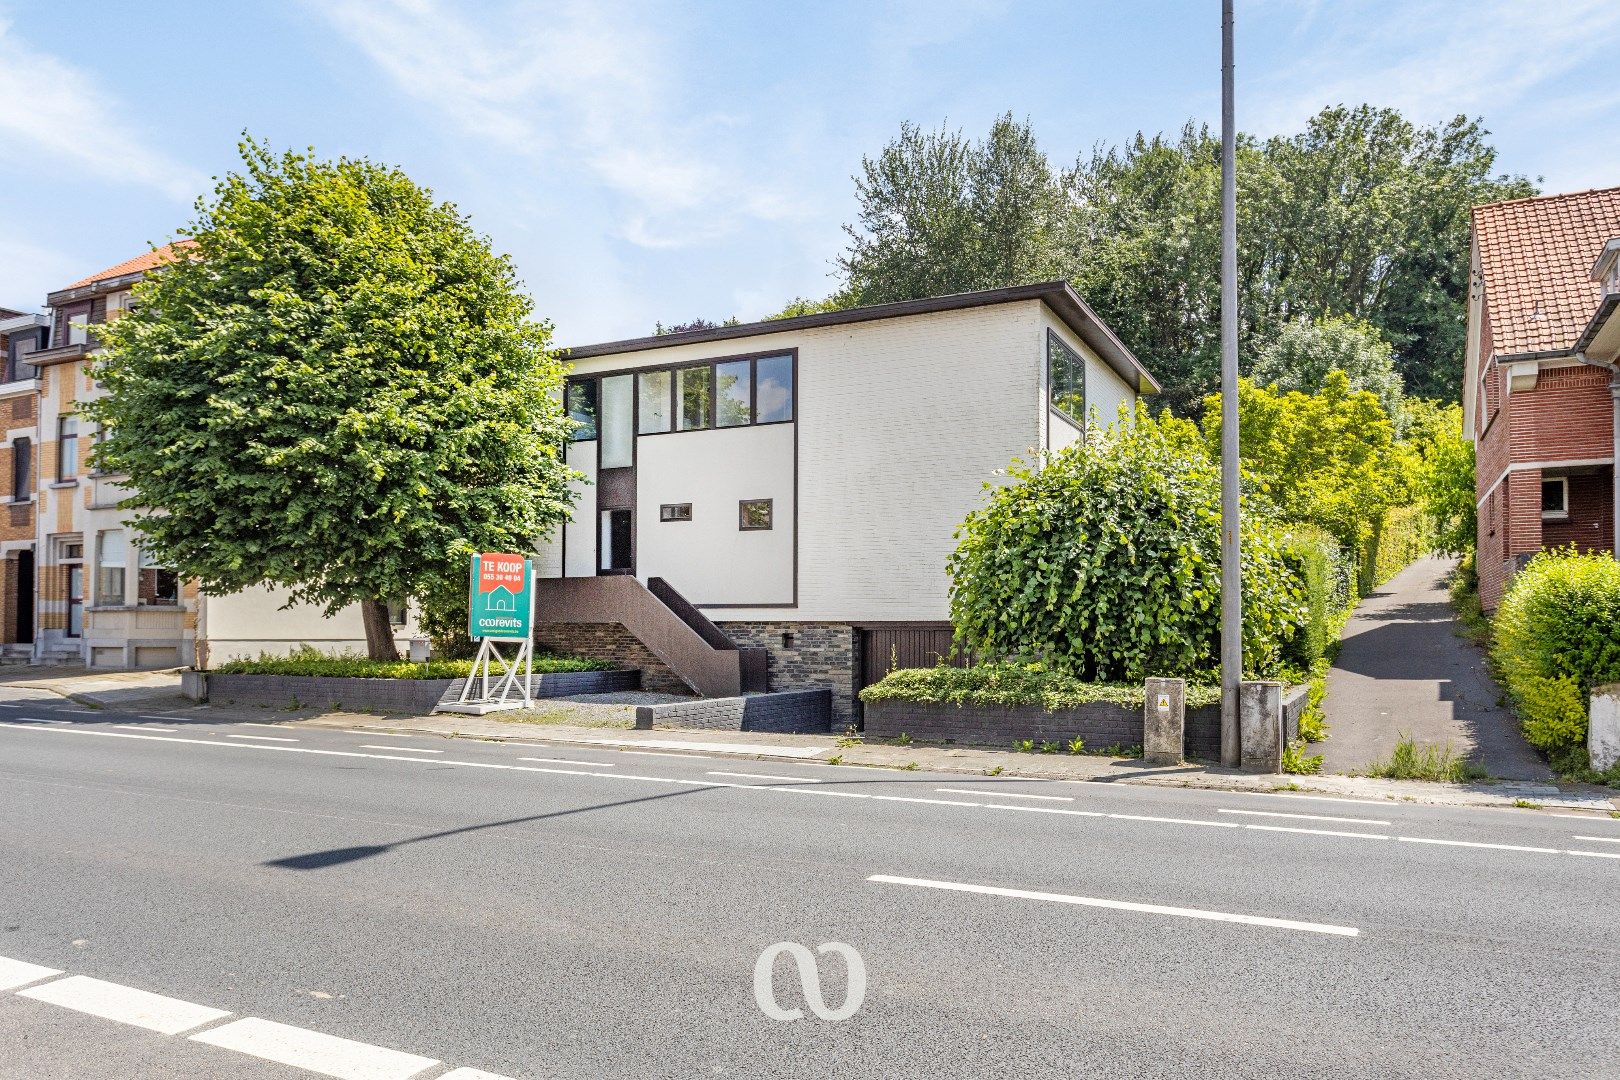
(1614, 469)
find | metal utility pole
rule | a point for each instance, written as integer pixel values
(1231, 566)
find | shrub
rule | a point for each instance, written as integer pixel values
(309, 662)
(1409, 761)
(1325, 577)
(1007, 685)
(1557, 635)
(1396, 539)
(1104, 563)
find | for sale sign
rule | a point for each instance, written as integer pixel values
(500, 596)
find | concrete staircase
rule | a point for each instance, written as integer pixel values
(696, 650)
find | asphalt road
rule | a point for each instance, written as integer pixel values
(549, 911)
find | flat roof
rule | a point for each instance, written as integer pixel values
(1075, 313)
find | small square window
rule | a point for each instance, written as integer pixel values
(754, 514)
(1555, 497)
(675, 512)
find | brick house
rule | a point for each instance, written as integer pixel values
(21, 334)
(1539, 399)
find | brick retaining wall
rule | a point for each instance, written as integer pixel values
(818, 656)
(414, 696)
(616, 645)
(797, 712)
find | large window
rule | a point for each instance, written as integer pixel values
(691, 397)
(652, 402)
(694, 387)
(111, 556)
(773, 389)
(158, 585)
(582, 408)
(616, 422)
(67, 447)
(734, 393)
(1065, 379)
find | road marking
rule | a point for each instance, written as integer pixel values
(759, 776)
(1601, 839)
(1316, 832)
(660, 753)
(1175, 820)
(125, 1004)
(909, 798)
(86, 711)
(273, 727)
(41, 720)
(15, 973)
(400, 749)
(1594, 854)
(471, 1074)
(1476, 844)
(1304, 817)
(1045, 810)
(802, 791)
(305, 1049)
(142, 727)
(1120, 905)
(1594, 815)
(1004, 794)
(570, 761)
(8, 705)
(265, 738)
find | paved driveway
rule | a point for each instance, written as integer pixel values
(1404, 670)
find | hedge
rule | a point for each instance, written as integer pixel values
(1556, 635)
(355, 667)
(1327, 578)
(1403, 535)
(1008, 685)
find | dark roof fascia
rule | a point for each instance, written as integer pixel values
(1605, 309)
(1544, 354)
(1057, 295)
(94, 288)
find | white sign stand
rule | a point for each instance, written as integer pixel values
(516, 675)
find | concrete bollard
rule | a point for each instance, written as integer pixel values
(1164, 720)
(1260, 726)
(1603, 727)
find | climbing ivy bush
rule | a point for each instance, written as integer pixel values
(1103, 562)
(1556, 635)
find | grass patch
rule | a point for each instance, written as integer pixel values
(1437, 763)
(1313, 721)
(313, 664)
(1297, 762)
(1008, 685)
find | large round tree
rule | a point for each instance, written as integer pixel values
(336, 387)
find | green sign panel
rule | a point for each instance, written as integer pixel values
(500, 594)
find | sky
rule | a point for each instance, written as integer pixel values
(648, 161)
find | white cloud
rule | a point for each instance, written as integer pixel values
(28, 271)
(574, 86)
(62, 113)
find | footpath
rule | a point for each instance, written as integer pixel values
(607, 721)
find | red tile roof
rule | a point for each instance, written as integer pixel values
(1536, 256)
(141, 262)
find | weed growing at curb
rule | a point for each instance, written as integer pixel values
(1437, 763)
(1077, 745)
(836, 759)
(902, 740)
(1295, 760)
(1024, 746)
(993, 772)
(1050, 747)
(1526, 804)
(911, 766)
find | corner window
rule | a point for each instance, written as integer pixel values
(694, 388)
(773, 389)
(67, 447)
(675, 512)
(1065, 379)
(581, 400)
(652, 402)
(754, 515)
(734, 393)
(111, 554)
(1555, 498)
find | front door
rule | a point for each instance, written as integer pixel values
(25, 596)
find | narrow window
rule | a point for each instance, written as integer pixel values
(67, 447)
(158, 584)
(582, 409)
(734, 393)
(694, 388)
(22, 469)
(653, 402)
(1065, 379)
(773, 389)
(78, 327)
(754, 515)
(110, 558)
(1555, 497)
(675, 512)
(617, 422)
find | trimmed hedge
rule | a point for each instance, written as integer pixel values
(1008, 685)
(1400, 537)
(1556, 635)
(1326, 577)
(355, 667)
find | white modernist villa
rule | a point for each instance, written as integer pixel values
(798, 481)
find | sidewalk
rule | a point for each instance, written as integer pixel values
(98, 689)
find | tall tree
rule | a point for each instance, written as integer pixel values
(340, 390)
(1305, 350)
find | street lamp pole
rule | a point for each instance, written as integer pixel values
(1231, 565)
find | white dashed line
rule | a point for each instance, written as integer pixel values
(569, 761)
(1601, 839)
(312, 1050)
(1175, 821)
(1120, 905)
(143, 727)
(125, 1004)
(472, 1074)
(909, 798)
(1595, 854)
(1045, 810)
(400, 749)
(10, 705)
(41, 720)
(992, 793)
(86, 712)
(380, 734)
(1316, 832)
(15, 973)
(1304, 817)
(262, 738)
(755, 776)
(1476, 844)
(273, 727)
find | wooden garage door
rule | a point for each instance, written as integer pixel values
(903, 645)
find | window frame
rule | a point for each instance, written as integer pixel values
(22, 469)
(63, 476)
(101, 597)
(676, 411)
(1562, 513)
(742, 515)
(674, 512)
(1054, 341)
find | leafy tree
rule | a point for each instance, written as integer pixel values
(1104, 563)
(1442, 465)
(1303, 353)
(340, 390)
(940, 214)
(700, 323)
(838, 301)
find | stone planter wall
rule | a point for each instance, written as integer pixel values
(414, 696)
(795, 712)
